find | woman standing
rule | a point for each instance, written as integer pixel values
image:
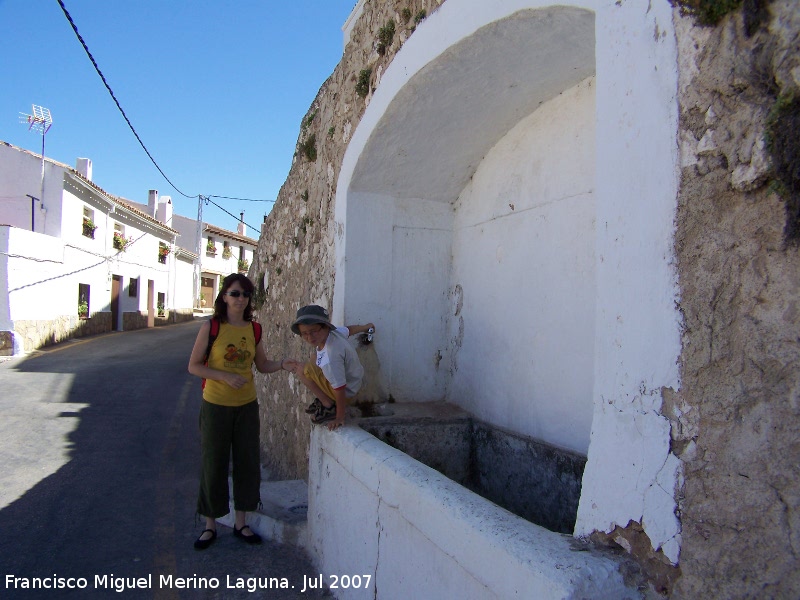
(229, 422)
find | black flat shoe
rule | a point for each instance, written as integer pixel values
(202, 544)
(253, 538)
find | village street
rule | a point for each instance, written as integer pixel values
(99, 473)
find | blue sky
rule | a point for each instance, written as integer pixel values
(216, 91)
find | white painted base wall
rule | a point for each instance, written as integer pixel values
(376, 512)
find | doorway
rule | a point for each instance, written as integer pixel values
(116, 284)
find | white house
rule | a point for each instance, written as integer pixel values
(219, 252)
(76, 260)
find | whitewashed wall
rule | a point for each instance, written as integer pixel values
(33, 268)
(524, 267)
(404, 249)
(138, 260)
(20, 174)
(598, 256)
(631, 473)
(183, 292)
(409, 532)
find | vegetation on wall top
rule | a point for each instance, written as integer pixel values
(711, 12)
(708, 12)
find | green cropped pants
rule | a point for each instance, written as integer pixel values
(229, 433)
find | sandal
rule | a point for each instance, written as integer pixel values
(313, 407)
(324, 414)
(202, 544)
(253, 538)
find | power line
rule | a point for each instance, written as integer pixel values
(241, 199)
(208, 200)
(141, 143)
(110, 91)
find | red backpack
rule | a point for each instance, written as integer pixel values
(212, 335)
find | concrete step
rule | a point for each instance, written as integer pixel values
(283, 515)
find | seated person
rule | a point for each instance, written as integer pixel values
(334, 374)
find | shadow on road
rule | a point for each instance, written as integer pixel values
(99, 475)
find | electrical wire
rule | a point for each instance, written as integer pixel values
(241, 199)
(209, 201)
(110, 91)
(141, 143)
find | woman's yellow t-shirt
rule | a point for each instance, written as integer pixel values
(234, 351)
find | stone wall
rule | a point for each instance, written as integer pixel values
(138, 319)
(736, 415)
(295, 256)
(6, 343)
(134, 320)
(35, 334)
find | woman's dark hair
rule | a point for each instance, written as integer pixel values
(221, 309)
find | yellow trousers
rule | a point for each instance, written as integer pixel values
(315, 374)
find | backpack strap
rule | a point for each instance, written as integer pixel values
(256, 331)
(212, 335)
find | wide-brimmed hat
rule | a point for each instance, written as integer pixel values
(308, 315)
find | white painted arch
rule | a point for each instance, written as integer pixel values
(431, 225)
(505, 210)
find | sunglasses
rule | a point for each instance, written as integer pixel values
(237, 293)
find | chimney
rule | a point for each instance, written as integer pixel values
(84, 167)
(241, 228)
(165, 210)
(152, 202)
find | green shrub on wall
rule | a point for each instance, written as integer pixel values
(385, 36)
(708, 12)
(309, 148)
(362, 85)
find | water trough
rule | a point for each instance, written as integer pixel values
(376, 510)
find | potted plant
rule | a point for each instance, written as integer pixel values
(163, 252)
(160, 309)
(244, 265)
(83, 309)
(120, 241)
(202, 299)
(211, 248)
(226, 252)
(88, 227)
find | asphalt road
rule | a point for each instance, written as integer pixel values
(99, 459)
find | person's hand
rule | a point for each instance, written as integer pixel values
(335, 424)
(293, 366)
(234, 380)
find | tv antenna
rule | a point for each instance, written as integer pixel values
(40, 121)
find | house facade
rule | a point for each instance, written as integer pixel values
(76, 260)
(219, 252)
